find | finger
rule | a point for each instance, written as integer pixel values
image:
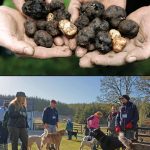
(139, 53)
(110, 59)
(16, 46)
(58, 51)
(66, 40)
(85, 61)
(80, 52)
(72, 44)
(74, 10)
(58, 41)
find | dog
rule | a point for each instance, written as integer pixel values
(35, 139)
(75, 134)
(130, 145)
(86, 142)
(106, 142)
(52, 138)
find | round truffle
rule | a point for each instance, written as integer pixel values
(42, 38)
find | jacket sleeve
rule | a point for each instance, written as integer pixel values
(135, 116)
(44, 116)
(90, 118)
(12, 113)
(117, 120)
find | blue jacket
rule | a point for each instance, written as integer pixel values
(50, 116)
(127, 113)
(69, 126)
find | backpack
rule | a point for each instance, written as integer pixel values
(6, 118)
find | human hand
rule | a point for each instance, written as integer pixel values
(14, 38)
(74, 7)
(45, 126)
(135, 50)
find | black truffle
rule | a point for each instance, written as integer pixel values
(82, 22)
(41, 24)
(129, 28)
(103, 42)
(42, 38)
(115, 14)
(30, 27)
(52, 28)
(92, 9)
(99, 25)
(35, 9)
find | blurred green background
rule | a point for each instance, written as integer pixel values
(11, 65)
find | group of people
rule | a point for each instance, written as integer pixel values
(123, 119)
(14, 124)
(63, 46)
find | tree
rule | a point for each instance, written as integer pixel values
(114, 86)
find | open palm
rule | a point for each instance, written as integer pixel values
(13, 37)
(136, 49)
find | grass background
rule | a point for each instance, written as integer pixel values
(11, 65)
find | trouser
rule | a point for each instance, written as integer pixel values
(3, 138)
(52, 129)
(69, 135)
(129, 134)
(15, 135)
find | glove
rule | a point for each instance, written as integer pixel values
(117, 129)
(129, 126)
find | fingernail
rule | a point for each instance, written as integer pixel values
(131, 59)
(29, 50)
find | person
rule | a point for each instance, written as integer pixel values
(135, 50)
(17, 122)
(93, 122)
(127, 117)
(69, 128)
(3, 126)
(50, 118)
(15, 39)
(111, 120)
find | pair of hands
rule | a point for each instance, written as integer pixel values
(13, 37)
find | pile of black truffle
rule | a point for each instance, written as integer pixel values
(42, 24)
(95, 23)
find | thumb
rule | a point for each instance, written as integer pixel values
(16, 46)
(139, 53)
(74, 10)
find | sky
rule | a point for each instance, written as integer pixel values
(64, 89)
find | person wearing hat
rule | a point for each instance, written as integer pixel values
(17, 122)
(50, 118)
(69, 128)
(3, 128)
(127, 117)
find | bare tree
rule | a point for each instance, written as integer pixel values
(114, 86)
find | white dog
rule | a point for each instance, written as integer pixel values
(36, 139)
(87, 142)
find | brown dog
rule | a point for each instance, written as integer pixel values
(53, 138)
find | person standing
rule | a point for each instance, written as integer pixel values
(50, 118)
(17, 122)
(69, 128)
(127, 117)
(3, 126)
(111, 120)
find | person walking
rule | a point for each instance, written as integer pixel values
(69, 128)
(17, 122)
(50, 118)
(111, 120)
(127, 117)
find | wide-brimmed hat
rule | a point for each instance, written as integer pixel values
(20, 94)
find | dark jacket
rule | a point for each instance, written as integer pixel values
(69, 126)
(50, 116)
(17, 117)
(127, 113)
